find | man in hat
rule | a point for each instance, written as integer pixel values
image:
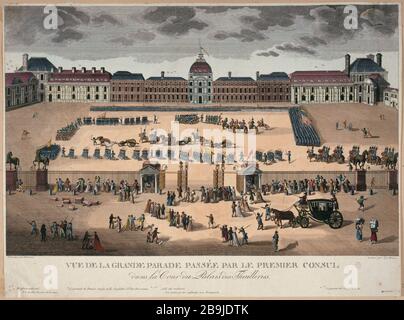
(275, 241)
(259, 221)
(211, 221)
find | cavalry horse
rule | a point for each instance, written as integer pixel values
(283, 215)
(128, 142)
(102, 140)
(40, 159)
(12, 160)
(358, 159)
(389, 159)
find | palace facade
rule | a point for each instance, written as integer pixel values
(21, 89)
(363, 81)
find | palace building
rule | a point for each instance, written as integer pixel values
(200, 79)
(127, 87)
(363, 81)
(21, 89)
(41, 67)
(165, 89)
(79, 85)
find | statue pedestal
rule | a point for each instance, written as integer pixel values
(42, 180)
(11, 180)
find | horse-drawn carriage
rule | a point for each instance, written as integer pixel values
(320, 210)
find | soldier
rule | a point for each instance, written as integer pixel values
(361, 202)
(155, 235)
(69, 231)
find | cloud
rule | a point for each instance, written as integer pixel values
(244, 35)
(67, 35)
(384, 21)
(174, 20)
(269, 53)
(313, 41)
(102, 18)
(283, 16)
(296, 48)
(142, 35)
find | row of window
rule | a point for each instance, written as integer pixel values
(327, 97)
(19, 89)
(97, 88)
(234, 90)
(73, 97)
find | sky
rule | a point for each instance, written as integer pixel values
(241, 39)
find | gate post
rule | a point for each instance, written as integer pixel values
(185, 178)
(42, 180)
(11, 180)
(361, 180)
(392, 178)
(216, 176)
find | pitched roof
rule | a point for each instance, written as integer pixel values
(18, 77)
(126, 75)
(80, 76)
(250, 170)
(378, 80)
(274, 76)
(166, 78)
(39, 64)
(235, 79)
(319, 77)
(365, 65)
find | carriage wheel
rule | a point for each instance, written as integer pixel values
(304, 222)
(335, 221)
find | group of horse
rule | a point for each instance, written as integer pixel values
(388, 158)
(105, 142)
(235, 125)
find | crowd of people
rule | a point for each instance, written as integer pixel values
(319, 183)
(234, 236)
(123, 188)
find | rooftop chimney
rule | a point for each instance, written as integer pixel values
(257, 75)
(60, 69)
(25, 61)
(74, 70)
(93, 69)
(102, 70)
(162, 74)
(348, 64)
(229, 74)
(379, 59)
(83, 69)
(371, 57)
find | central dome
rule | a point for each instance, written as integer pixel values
(200, 65)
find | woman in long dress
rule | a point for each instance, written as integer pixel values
(236, 242)
(97, 243)
(239, 212)
(244, 204)
(147, 208)
(189, 225)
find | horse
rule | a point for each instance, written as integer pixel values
(391, 161)
(283, 215)
(12, 160)
(101, 139)
(40, 159)
(128, 142)
(312, 155)
(358, 159)
(185, 141)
